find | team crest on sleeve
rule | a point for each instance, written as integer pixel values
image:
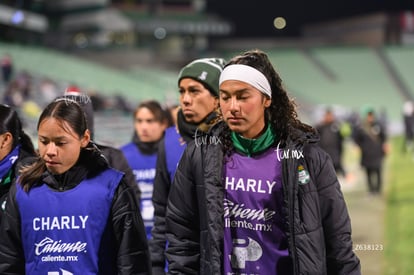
(303, 175)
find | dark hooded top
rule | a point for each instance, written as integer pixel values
(318, 226)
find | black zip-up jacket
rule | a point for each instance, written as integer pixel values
(318, 225)
(117, 160)
(162, 185)
(25, 157)
(131, 254)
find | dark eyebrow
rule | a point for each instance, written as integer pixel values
(238, 92)
(55, 138)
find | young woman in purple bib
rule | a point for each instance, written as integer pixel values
(257, 195)
(69, 212)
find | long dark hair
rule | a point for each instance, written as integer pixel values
(281, 113)
(10, 122)
(62, 109)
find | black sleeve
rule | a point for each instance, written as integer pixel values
(335, 219)
(24, 160)
(182, 218)
(357, 136)
(340, 143)
(117, 160)
(130, 235)
(122, 165)
(162, 184)
(12, 259)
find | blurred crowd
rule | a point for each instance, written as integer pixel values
(30, 93)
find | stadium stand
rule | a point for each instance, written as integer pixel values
(66, 68)
(360, 79)
(350, 77)
(402, 59)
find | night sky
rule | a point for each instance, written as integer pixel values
(255, 18)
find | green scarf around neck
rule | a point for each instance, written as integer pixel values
(254, 146)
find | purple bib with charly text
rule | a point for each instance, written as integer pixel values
(254, 240)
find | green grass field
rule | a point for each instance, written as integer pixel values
(399, 223)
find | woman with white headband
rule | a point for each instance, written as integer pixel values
(257, 195)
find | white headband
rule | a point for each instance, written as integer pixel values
(248, 75)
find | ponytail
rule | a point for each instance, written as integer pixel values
(29, 175)
(26, 143)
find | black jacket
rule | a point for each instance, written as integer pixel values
(24, 158)
(318, 225)
(371, 139)
(117, 160)
(129, 238)
(162, 183)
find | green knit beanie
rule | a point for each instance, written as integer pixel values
(206, 71)
(366, 109)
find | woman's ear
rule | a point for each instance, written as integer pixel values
(267, 102)
(86, 138)
(6, 140)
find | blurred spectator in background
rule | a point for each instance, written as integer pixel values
(16, 149)
(6, 68)
(331, 139)
(121, 103)
(48, 91)
(150, 122)
(99, 103)
(18, 90)
(198, 84)
(408, 119)
(371, 138)
(24, 80)
(13, 95)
